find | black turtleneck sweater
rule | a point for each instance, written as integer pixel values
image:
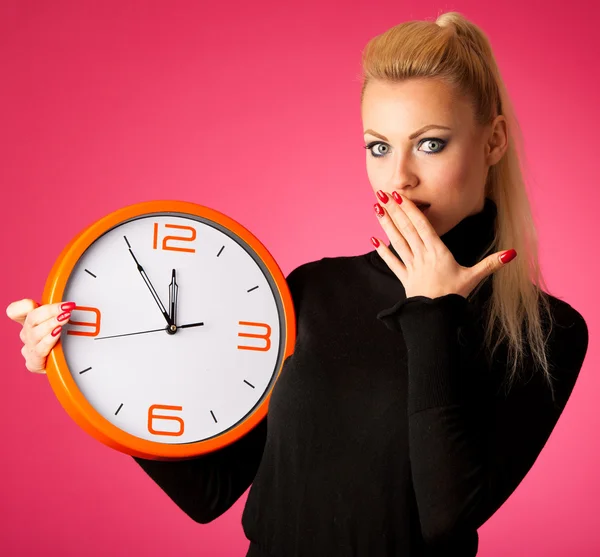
(388, 432)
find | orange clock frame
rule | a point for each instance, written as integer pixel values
(59, 375)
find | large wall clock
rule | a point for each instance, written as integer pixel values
(183, 321)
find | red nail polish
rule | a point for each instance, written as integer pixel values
(397, 197)
(375, 241)
(383, 196)
(64, 315)
(56, 331)
(508, 256)
(68, 306)
(378, 209)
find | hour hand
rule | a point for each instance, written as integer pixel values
(173, 288)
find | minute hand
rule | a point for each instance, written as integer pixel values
(149, 284)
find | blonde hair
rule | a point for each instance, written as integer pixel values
(457, 51)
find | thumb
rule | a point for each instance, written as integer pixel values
(506, 256)
(18, 310)
(494, 262)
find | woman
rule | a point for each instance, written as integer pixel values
(404, 419)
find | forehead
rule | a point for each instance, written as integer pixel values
(414, 102)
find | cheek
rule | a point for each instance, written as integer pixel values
(459, 169)
(470, 166)
(371, 169)
(374, 175)
(456, 177)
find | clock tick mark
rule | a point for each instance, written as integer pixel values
(119, 408)
(215, 419)
(253, 288)
(88, 369)
(249, 384)
(222, 248)
(90, 273)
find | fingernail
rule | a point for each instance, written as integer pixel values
(68, 306)
(397, 197)
(378, 209)
(56, 331)
(375, 241)
(508, 256)
(64, 315)
(383, 196)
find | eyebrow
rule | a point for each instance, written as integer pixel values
(412, 136)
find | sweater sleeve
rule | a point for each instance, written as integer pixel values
(470, 447)
(206, 486)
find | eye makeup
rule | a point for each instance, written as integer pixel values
(442, 142)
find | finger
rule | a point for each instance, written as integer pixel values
(395, 265)
(47, 311)
(396, 238)
(33, 363)
(36, 334)
(406, 229)
(413, 223)
(18, 310)
(36, 356)
(493, 262)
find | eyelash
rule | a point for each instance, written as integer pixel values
(441, 141)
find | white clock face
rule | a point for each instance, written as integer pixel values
(203, 379)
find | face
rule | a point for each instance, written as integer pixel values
(446, 168)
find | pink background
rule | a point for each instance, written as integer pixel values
(252, 108)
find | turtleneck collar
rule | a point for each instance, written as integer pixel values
(467, 240)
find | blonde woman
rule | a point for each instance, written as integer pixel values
(428, 373)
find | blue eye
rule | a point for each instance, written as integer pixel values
(374, 144)
(434, 140)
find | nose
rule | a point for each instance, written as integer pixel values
(404, 172)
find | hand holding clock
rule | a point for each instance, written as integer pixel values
(41, 329)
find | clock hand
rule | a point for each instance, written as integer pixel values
(151, 331)
(190, 325)
(149, 284)
(173, 288)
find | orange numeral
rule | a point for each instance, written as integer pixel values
(95, 323)
(181, 238)
(152, 416)
(266, 337)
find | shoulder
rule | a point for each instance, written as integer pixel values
(328, 265)
(569, 336)
(566, 342)
(324, 286)
(325, 273)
